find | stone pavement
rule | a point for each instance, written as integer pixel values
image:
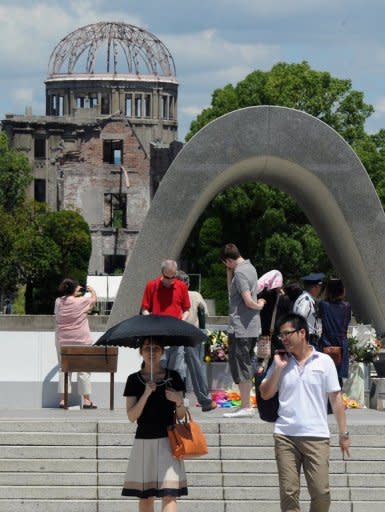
(52, 460)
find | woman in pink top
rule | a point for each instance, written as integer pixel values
(71, 310)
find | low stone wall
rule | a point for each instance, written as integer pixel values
(97, 323)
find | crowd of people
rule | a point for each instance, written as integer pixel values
(299, 329)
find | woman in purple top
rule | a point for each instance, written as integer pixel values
(335, 314)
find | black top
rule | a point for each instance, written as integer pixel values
(283, 307)
(158, 413)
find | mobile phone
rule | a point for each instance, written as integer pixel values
(282, 352)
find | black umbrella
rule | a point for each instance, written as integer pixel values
(168, 330)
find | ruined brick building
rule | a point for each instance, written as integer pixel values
(108, 136)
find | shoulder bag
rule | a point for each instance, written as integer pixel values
(187, 439)
(267, 409)
(335, 351)
(264, 342)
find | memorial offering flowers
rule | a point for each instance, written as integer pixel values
(363, 344)
(216, 349)
(229, 398)
(351, 403)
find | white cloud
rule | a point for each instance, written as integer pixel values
(191, 111)
(208, 50)
(379, 107)
(29, 33)
(22, 95)
(281, 8)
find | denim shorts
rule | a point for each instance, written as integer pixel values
(241, 355)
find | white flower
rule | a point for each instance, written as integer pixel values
(365, 336)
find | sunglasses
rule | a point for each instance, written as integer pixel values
(170, 278)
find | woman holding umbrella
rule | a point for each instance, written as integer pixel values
(153, 396)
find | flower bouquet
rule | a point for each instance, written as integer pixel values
(216, 349)
(363, 344)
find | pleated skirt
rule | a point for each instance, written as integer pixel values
(153, 472)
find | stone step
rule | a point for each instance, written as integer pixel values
(76, 427)
(107, 439)
(48, 452)
(47, 439)
(131, 505)
(60, 478)
(48, 465)
(43, 463)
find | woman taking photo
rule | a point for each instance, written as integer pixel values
(71, 315)
(335, 314)
(154, 395)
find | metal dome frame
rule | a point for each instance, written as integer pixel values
(140, 48)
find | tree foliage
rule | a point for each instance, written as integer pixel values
(55, 245)
(38, 247)
(264, 222)
(15, 176)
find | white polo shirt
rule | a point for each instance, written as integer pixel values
(303, 396)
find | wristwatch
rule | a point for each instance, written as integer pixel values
(344, 435)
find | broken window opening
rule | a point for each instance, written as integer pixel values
(113, 152)
(115, 210)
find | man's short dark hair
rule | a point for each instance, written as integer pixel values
(230, 251)
(298, 322)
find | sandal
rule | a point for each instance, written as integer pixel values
(90, 406)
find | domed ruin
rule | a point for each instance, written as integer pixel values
(111, 68)
(109, 47)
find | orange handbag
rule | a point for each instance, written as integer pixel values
(186, 438)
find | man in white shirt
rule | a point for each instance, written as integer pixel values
(306, 305)
(305, 379)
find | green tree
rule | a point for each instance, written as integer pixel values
(69, 235)
(296, 86)
(15, 175)
(38, 247)
(48, 247)
(264, 222)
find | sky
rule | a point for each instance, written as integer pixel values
(213, 43)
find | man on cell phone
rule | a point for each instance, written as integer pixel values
(305, 381)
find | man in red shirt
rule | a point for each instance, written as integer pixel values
(167, 295)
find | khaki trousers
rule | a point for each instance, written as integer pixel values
(84, 379)
(312, 453)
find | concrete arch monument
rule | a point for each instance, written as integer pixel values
(287, 149)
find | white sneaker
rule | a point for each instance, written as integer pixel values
(240, 413)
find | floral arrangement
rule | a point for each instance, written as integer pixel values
(230, 398)
(351, 403)
(363, 344)
(216, 349)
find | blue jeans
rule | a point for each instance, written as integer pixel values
(176, 357)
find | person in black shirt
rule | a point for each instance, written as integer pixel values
(152, 402)
(277, 305)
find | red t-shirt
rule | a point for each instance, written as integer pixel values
(160, 300)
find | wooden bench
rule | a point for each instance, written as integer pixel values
(87, 358)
